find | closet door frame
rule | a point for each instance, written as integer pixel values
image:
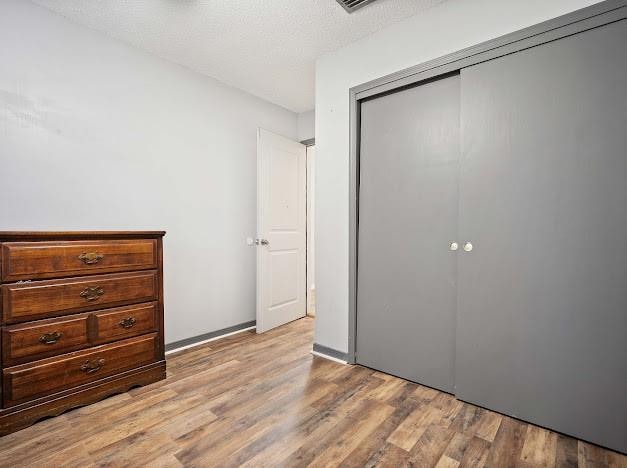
(576, 22)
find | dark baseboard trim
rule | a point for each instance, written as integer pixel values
(208, 336)
(309, 142)
(334, 353)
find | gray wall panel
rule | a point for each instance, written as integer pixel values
(409, 168)
(542, 319)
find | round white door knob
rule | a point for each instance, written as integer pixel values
(467, 247)
(454, 246)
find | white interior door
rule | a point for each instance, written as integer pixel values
(281, 230)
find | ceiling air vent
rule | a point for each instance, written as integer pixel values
(352, 5)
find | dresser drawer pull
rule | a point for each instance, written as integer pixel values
(50, 338)
(89, 367)
(92, 293)
(128, 322)
(90, 258)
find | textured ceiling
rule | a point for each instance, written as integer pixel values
(266, 47)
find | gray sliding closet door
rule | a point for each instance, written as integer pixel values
(408, 197)
(542, 321)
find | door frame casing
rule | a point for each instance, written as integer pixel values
(310, 268)
(576, 22)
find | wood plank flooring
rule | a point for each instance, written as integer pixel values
(265, 401)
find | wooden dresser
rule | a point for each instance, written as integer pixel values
(81, 319)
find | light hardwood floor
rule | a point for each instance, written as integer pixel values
(264, 400)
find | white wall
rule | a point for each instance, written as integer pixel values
(306, 125)
(446, 28)
(95, 134)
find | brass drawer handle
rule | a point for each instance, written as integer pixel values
(90, 258)
(89, 367)
(92, 293)
(128, 322)
(50, 338)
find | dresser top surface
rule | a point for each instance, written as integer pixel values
(78, 235)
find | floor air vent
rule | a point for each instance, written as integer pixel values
(352, 5)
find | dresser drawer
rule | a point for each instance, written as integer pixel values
(124, 322)
(44, 338)
(41, 299)
(52, 375)
(38, 260)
